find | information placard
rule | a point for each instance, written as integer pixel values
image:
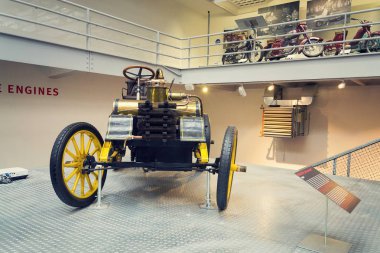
(329, 188)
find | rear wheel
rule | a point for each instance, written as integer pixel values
(373, 45)
(330, 51)
(256, 56)
(226, 172)
(76, 143)
(312, 48)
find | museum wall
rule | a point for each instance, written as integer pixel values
(339, 120)
(30, 122)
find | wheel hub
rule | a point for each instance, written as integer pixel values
(88, 163)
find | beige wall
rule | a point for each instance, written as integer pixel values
(30, 124)
(340, 119)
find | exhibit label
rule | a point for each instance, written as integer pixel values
(28, 90)
(329, 188)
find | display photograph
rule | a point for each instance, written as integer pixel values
(323, 8)
(189, 126)
(279, 14)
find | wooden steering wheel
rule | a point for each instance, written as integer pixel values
(138, 72)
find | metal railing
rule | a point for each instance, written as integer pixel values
(361, 162)
(166, 49)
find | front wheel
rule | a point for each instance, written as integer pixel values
(373, 45)
(72, 148)
(256, 56)
(226, 171)
(312, 49)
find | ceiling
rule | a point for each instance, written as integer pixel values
(237, 7)
(202, 6)
(245, 3)
(223, 7)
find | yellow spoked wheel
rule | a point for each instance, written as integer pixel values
(226, 167)
(71, 149)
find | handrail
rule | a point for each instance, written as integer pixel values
(290, 22)
(284, 35)
(352, 164)
(344, 153)
(279, 48)
(94, 23)
(116, 18)
(188, 49)
(87, 35)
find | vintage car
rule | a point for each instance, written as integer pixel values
(163, 130)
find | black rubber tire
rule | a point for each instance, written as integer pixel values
(329, 53)
(258, 47)
(369, 44)
(56, 165)
(315, 42)
(222, 196)
(207, 132)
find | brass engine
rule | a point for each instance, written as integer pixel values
(161, 126)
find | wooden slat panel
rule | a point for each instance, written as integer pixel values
(277, 122)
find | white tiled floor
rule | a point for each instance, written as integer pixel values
(271, 210)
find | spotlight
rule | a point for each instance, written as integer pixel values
(205, 89)
(271, 87)
(242, 91)
(189, 86)
(342, 85)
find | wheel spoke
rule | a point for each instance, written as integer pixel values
(74, 172)
(82, 143)
(70, 154)
(95, 175)
(88, 146)
(89, 182)
(82, 185)
(71, 164)
(75, 146)
(93, 152)
(75, 183)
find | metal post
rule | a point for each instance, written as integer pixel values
(157, 47)
(326, 217)
(348, 164)
(188, 52)
(334, 167)
(99, 198)
(208, 204)
(254, 42)
(99, 204)
(208, 38)
(138, 94)
(344, 34)
(88, 29)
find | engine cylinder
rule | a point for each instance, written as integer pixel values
(157, 94)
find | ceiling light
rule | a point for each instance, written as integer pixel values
(271, 87)
(205, 89)
(342, 85)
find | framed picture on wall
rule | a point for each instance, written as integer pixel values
(323, 8)
(279, 14)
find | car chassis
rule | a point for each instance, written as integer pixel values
(164, 131)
